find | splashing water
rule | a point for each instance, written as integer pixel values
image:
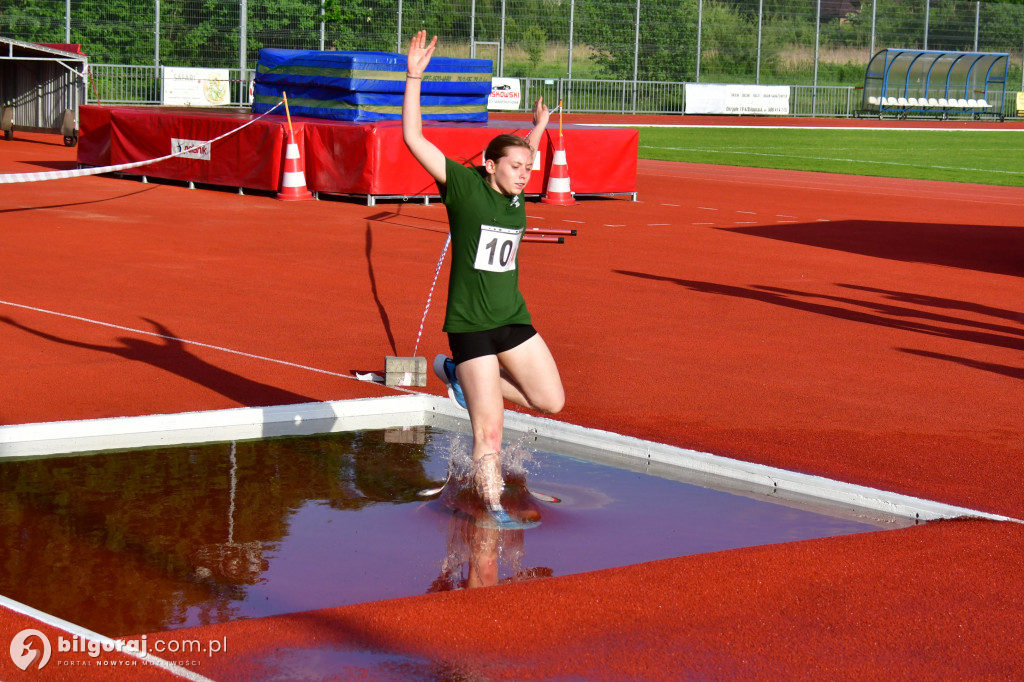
(516, 459)
(472, 547)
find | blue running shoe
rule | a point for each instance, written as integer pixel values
(444, 368)
(502, 520)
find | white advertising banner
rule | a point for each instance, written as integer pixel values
(505, 94)
(197, 149)
(193, 87)
(716, 98)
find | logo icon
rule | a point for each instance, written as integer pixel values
(24, 655)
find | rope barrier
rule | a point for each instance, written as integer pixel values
(80, 172)
(440, 261)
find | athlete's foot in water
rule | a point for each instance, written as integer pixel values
(489, 485)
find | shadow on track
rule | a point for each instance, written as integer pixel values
(882, 315)
(986, 248)
(170, 354)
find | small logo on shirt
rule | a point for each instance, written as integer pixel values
(515, 202)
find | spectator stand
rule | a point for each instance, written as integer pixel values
(900, 82)
(41, 87)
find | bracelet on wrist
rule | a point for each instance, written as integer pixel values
(409, 75)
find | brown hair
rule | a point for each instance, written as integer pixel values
(499, 146)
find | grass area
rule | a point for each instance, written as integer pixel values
(987, 157)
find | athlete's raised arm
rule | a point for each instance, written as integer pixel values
(428, 155)
(540, 122)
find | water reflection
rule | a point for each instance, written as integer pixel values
(145, 541)
(132, 542)
(477, 548)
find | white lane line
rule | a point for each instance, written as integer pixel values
(110, 644)
(829, 158)
(807, 127)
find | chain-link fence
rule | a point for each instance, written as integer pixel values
(786, 42)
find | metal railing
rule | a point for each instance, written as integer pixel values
(827, 101)
(593, 96)
(133, 84)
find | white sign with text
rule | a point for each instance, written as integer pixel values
(505, 94)
(194, 87)
(716, 98)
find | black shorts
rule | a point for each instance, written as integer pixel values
(469, 345)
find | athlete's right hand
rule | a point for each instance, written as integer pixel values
(419, 54)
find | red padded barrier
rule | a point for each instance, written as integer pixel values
(252, 158)
(340, 157)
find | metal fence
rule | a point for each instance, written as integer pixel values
(798, 42)
(128, 84)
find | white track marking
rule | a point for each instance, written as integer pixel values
(78, 630)
(808, 127)
(824, 158)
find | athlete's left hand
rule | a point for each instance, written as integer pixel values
(540, 114)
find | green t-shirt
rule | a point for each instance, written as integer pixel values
(486, 228)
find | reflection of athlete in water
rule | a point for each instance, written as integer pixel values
(477, 546)
(498, 355)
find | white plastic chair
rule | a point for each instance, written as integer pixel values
(984, 104)
(874, 101)
(932, 102)
(902, 101)
(962, 103)
(972, 104)
(891, 102)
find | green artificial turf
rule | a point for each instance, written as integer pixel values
(993, 157)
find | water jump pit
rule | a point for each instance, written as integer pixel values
(135, 525)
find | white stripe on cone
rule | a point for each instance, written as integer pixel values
(558, 191)
(558, 185)
(293, 179)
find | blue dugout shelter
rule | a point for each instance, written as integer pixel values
(935, 83)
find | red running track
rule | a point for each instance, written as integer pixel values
(869, 330)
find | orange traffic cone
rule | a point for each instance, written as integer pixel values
(558, 182)
(293, 180)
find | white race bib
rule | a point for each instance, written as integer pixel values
(496, 251)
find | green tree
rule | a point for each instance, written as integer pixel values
(34, 21)
(728, 41)
(534, 41)
(198, 35)
(668, 45)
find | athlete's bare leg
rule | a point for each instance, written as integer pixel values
(530, 378)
